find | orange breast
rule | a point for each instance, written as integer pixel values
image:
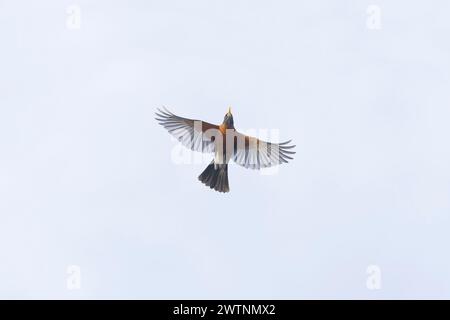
(223, 128)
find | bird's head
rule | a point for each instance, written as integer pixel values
(228, 119)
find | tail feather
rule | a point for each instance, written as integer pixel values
(215, 176)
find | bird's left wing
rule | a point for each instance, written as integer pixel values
(253, 153)
(196, 135)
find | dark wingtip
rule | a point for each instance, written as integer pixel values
(286, 142)
(167, 111)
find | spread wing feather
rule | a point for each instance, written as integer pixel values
(191, 133)
(254, 153)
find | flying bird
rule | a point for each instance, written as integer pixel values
(226, 143)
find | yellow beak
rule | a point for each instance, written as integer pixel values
(229, 110)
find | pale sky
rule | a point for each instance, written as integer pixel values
(87, 176)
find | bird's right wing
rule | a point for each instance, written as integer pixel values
(196, 135)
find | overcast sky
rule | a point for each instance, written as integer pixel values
(88, 178)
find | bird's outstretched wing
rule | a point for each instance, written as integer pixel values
(254, 153)
(193, 134)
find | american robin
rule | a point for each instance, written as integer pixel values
(226, 143)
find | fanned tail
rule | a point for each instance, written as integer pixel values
(215, 176)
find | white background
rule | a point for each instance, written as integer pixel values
(87, 177)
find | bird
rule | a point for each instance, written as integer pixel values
(226, 143)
